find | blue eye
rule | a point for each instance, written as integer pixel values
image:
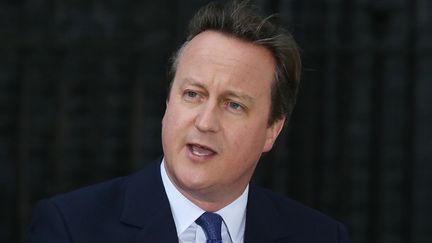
(191, 94)
(234, 105)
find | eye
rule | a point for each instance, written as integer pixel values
(235, 106)
(190, 95)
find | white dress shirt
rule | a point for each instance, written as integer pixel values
(185, 213)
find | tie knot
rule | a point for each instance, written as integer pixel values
(211, 223)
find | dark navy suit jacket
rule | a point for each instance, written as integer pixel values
(136, 209)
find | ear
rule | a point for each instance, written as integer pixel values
(272, 133)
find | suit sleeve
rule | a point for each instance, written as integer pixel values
(342, 234)
(47, 224)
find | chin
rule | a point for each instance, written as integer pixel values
(192, 179)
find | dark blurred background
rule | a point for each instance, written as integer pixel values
(82, 92)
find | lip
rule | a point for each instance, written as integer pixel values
(200, 152)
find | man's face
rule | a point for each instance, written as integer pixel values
(215, 124)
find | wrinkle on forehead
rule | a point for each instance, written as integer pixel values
(240, 49)
(211, 47)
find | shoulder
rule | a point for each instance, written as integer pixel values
(69, 216)
(308, 224)
(286, 206)
(78, 210)
(108, 192)
(91, 205)
(104, 195)
(81, 215)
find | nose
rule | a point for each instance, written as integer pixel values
(207, 119)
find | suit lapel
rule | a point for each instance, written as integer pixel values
(263, 223)
(146, 206)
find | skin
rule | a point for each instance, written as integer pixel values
(215, 126)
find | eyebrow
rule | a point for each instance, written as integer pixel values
(193, 83)
(233, 93)
(239, 95)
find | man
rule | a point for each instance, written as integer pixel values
(233, 85)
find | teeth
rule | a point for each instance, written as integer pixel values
(200, 151)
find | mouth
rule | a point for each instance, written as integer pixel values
(200, 150)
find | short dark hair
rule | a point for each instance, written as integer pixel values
(240, 20)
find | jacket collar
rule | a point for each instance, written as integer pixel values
(263, 222)
(146, 206)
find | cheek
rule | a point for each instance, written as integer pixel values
(174, 122)
(169, 126)
(246, 140)
(170, 116)
(252, 131)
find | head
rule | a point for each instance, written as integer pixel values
(238, 19)
(221, 112)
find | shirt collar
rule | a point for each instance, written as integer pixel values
(185, 212)
(234, 216)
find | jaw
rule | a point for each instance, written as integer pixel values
(199, 182)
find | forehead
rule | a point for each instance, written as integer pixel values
(214, 42)
(214, 56)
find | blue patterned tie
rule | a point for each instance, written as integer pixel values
(211, 223)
